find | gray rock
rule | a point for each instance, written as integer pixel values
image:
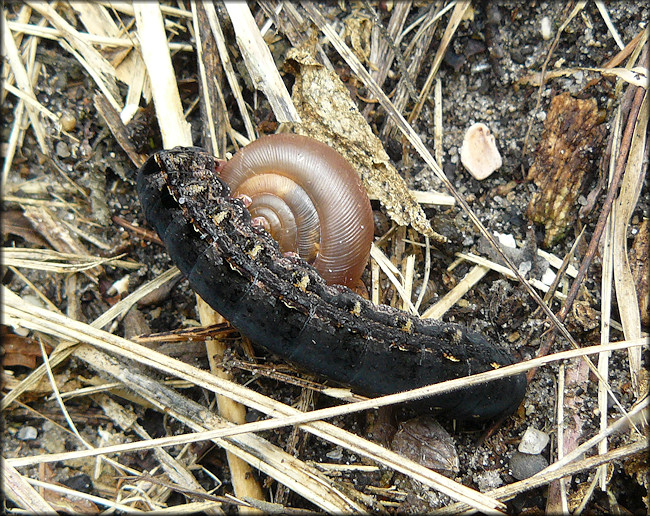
(27, 433)
(62, 150)
(524, 465)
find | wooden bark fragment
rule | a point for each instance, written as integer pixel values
(329, 114)
(565, 163)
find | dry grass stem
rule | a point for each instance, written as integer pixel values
(437, 310)
(479, 260)
(23, 81)
(429, 198)
(104, 502)
(602, 9)
(62, 326)
(392, 273)
(53, 261)
(631, 184)
(55, 34)
(606, 306)
(98, 68)
(259, 62)
(18, 489)
(457, 15)
(62, 161)
(153, 41)
(226, 62)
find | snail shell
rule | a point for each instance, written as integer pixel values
(310, 199)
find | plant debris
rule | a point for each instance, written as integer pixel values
(107, 421)
(565, 163)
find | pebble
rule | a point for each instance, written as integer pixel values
(27, 433)
(533, 441)
(335, 454)
(81, 482)
(62, 150)
(506, 240)
(68, 122)
(545, 28)
(121, 286)
(525, 267)
(525, 465)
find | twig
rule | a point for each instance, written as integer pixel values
(451, 298)
(112, 119)
(146, 234)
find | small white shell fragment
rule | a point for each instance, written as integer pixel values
(533, 441)
(545, 28)
(119, 287)
(479, 153)
(506, 239)
(549, 277)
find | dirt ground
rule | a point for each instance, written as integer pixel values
(490, 74)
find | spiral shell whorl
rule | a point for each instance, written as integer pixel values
(312, 197)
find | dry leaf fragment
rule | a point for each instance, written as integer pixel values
(565, 163)
(358, 27)
(15, 223)
(426, 442)
(19, 350)
(638, 257)
(479, 153)
(70, 503)
(329, 114)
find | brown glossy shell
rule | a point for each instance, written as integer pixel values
(312, 199)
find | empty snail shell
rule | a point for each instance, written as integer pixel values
(310, 199)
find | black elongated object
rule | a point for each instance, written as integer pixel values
(282, 304)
